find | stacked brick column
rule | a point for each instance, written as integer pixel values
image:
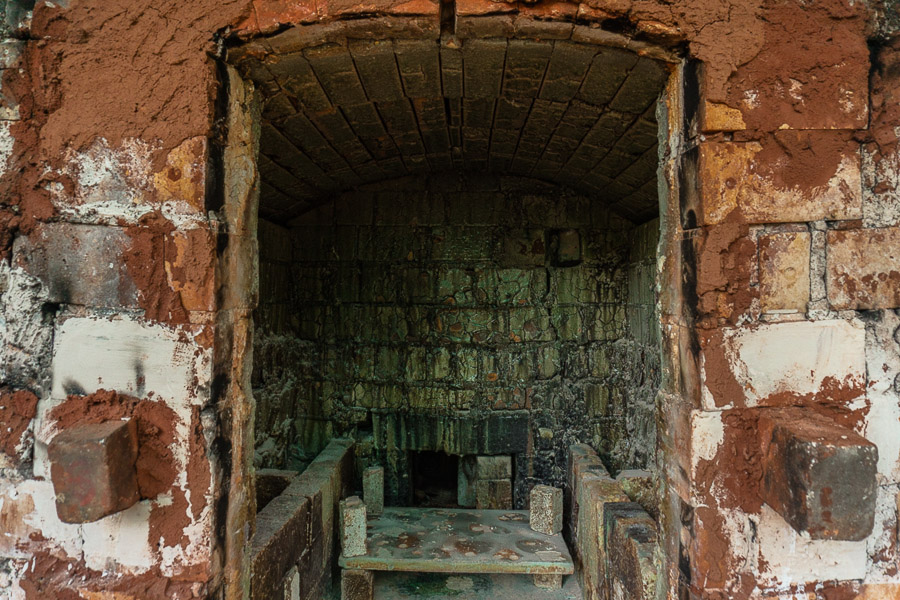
(783, 298)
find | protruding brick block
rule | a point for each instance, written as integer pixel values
(630, 536)
(373, 490)
(93, 470)
(819, 476)
(357, 584)
(546, 510)
(493, 494)
(548, 582)
(566, 245)
(353, 526)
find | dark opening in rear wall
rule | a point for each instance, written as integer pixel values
(435, 476)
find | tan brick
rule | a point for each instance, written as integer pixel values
(784, 271)
(546, 510)
(715, 116)
(751, 179)
(863, 268)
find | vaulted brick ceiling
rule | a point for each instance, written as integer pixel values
(339, 115)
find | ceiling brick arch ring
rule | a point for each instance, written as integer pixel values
(347, 112)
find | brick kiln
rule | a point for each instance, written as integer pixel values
(259, 256)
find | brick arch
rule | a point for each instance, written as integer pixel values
(342, 107)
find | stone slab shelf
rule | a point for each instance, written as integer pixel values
(460, 541)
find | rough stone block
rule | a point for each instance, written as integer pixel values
(353, 526)
(862, 268)
(493, 494)
(820, 477)
(357, 584)
(548, 582)
(546, 509)
(631, 543)
(93, 470)
(373, 490)
(784, 271)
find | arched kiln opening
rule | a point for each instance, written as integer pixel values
(457, 259)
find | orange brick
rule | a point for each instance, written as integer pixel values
(863, 270)
(744, 177)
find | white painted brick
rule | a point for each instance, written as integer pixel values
(883, 418)
(792, 558)
(120, 540)
(792, 357)
(707, 435)
(114, 354)
(29, 507)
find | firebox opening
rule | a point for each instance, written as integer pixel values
(434, 479)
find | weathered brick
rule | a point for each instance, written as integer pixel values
(862, 268)
(451, 72)
(546, 509)
(377, 68)
(270, 483)
(526, 62)
(357, 584)
(373, 490)
(607, 72)
(733, 177)
(641, 88)
(784, 271)
(803, 357)
(337, 73)
(483, 67)
(419, 67)
(631, 538)
(819, 476)
(493, 494)
(353, 526)
(79, 264)
(593, 494)
(282, 536)
(565, 71)
(93, 470)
